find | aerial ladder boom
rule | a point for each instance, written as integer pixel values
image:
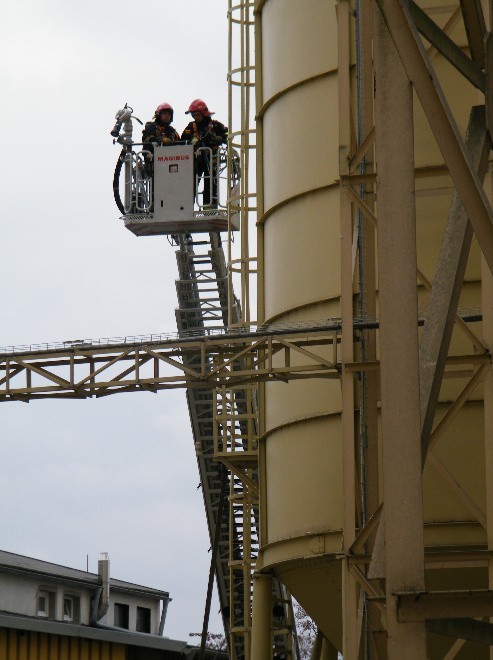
(162, 203)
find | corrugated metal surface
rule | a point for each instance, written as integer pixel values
(26, 645)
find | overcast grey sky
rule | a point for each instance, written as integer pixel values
(118, 474)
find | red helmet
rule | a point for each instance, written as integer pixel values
(199, 106)
(162, 107)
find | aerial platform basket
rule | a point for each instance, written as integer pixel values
(181, 193)
(149, 224)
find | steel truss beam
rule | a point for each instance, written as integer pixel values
(101, 371)
(97, 372)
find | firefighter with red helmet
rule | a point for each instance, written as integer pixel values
(204, 131)
(159, 131)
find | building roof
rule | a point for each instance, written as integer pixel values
(13, 563)
(106, 634)
(47, 571)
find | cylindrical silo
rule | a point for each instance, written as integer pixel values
(301, 453)
(299, 238)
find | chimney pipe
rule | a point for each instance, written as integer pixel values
(104, 581)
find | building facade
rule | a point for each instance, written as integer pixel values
(55, 612)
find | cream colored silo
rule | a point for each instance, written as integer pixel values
(302, 495)
(301, 463)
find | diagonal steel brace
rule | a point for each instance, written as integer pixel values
(421, 74)
(447, 284)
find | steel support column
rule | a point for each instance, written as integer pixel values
(368, 305)
(349, 587)
(487, 297)
(369, 390)
(402, 480)
(475, 22)
(262, 616)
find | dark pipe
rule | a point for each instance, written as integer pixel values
(116, 181)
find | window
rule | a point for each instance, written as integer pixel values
(43, 603)
(68, 608)
(71, 608)
(121, 616)
(143, 619)
(46, 604)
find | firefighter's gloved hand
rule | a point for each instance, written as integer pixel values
(167, 140)
(210, 139)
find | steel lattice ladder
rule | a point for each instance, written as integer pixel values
(202, 290)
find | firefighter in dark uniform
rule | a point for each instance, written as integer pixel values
(159, 131)
(204, 131)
